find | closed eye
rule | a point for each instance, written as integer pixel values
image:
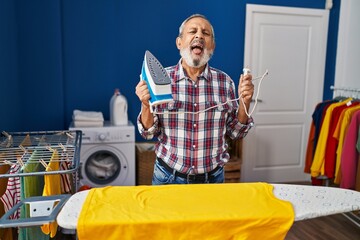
(206, 33)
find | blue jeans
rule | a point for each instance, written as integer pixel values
(163, 176)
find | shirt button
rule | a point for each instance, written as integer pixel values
(195, 104)
(194, 146)
(194, 125)
(195, 85)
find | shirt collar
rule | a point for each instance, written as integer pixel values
(206, 74)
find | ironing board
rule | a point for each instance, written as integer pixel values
(307, 201)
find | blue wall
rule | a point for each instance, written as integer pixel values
(61, 55)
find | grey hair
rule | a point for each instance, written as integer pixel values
(181, 28)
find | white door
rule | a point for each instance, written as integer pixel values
(291, 44)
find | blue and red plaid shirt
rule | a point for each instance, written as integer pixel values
(195, 143)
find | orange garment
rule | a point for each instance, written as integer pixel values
(310, 149)
(191, 211)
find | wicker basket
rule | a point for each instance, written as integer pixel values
(233, 167)
(145, 159)
(233, 171)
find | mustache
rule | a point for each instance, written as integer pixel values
(197, 42)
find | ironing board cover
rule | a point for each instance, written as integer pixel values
(198, 211)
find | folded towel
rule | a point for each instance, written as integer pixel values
(88, 123)
(87, 116)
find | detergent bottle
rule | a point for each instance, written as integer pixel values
(118, 109)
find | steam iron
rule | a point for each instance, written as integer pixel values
(157, 79)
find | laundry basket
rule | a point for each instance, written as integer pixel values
(145, 159)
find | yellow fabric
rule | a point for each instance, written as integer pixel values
(318, 166)
(52, 187)
(191, 211)
(340, 133)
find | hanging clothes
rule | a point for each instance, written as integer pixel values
(316, 123)
(330, 121)
(340, 133)
(358, 141)
(5, 233)
(318, 117)
(332, 142)
(52, 187)
(317, 167)
(310, 148)
(66, 180)
(11, 196)
(314, 133)
(349, 156)
(357, 184)
(31, 186)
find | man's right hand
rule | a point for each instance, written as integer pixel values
(143, 93)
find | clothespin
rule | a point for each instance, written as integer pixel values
(42, 140)
(22, 148)
(63, 147)
(5, 134)
(46, 166)
(20, 161)
(50, 148)
(8, 162)
(9, 139)
(69, 135)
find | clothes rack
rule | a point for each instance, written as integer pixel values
(18, 149)
(346, 91)
(355, 93)
(341, 92)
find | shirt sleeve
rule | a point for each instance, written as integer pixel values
(235, 129)
(149, 133)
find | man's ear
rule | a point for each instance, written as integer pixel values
(178, 43)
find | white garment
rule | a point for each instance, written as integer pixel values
(87, 116)
(88, 123)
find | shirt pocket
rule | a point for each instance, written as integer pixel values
(216, 107)
(170, 107)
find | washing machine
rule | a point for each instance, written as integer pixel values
(107, 155)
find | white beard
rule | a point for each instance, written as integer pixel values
(185, 53)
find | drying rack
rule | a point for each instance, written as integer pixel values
(17, 148)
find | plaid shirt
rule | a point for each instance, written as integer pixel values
(195, 143)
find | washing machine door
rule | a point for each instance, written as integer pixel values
(103, 166)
